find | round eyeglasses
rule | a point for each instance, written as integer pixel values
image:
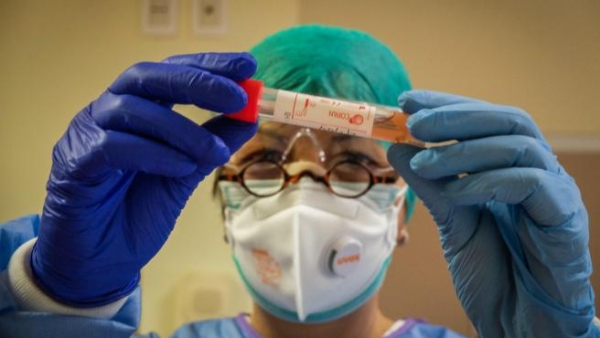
(351, 179)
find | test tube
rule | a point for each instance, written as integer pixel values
(324, 113)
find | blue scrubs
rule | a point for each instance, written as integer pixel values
(15, 323)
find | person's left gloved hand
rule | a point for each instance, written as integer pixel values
(514, 229)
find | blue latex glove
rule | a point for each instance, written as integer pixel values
(124, 169)
(514, 230)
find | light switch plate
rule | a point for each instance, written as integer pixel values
(159, 17)
(209, 16)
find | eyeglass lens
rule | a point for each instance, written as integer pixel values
(348, 179)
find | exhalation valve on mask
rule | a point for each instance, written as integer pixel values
(344, 256)
(328, 114)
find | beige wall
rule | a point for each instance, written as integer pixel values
(59, 55)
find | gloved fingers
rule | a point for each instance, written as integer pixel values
(232, 132)
(130, 152)
(236, 66)
(483, 154)
(456, 224)
(134, 115)
(438, 117)
(469, 121)
(399, 156)
(414, 100)
(550, 199)
(429, 191)
(177, 84)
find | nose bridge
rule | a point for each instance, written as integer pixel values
(304, 146)
(305, 173)
(305, 169)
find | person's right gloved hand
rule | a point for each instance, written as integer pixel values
(124, 169)
(511, 220)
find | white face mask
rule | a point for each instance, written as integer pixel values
(308, 255)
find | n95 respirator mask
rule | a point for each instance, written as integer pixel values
(307, 255)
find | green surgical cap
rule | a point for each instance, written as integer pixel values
(334, 62)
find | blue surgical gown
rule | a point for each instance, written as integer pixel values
(17, 323)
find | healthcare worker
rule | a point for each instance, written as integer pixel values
(311, 217)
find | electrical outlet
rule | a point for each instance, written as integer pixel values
(209, 16)
(159, 17)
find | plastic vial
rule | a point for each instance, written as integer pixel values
(328, 114)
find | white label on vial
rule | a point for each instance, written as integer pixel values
(324, 113)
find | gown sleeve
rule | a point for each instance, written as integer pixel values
(17, 322)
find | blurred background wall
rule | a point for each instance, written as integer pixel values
(59, 55)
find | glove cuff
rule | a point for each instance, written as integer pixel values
(29, 297)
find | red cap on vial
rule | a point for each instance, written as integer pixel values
(249, 113)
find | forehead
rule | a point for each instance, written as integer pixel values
(277, 136)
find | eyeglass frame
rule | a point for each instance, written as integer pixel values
(292, 179)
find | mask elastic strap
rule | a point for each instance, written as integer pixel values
(393, 223)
